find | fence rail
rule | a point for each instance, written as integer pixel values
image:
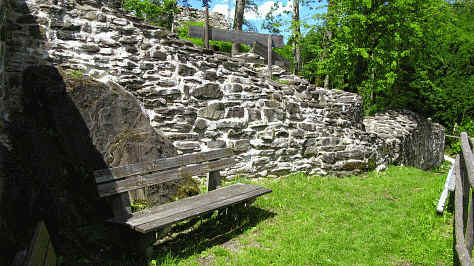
(463, 238)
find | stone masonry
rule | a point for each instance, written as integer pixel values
(192, 14)
(205, 100)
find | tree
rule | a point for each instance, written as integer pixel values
(296, 36)
(238, 22)
(399, 54)
(205, 4)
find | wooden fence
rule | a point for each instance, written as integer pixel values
(463, 231)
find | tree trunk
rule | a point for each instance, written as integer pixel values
(328, 38)
(238, 22)
(296, 35)
(206, 28)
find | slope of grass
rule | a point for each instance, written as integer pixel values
(375, 219)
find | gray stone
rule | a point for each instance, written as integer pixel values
(230, 124)
(239, 145)
(210, 75)
(184, 70)
(187, 145)
(213, 111)
(200, 124)
(208, 91)
(216, 144)
(159, 55)
(235, 111)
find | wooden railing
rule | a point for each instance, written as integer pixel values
(463, 238)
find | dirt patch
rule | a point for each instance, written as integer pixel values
(206, 261)
(232, 245)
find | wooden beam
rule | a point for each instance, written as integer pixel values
(460, 248)
(235, 36)
(444, 194)
(139, 181)
(111, 174)
(468, 157)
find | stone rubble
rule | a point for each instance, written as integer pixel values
(205, 100)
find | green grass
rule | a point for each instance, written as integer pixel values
(375, 219)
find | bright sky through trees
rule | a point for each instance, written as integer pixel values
(222, 6)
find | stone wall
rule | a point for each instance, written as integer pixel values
(195, 99)
(192, 14)
(410, 140)
(203, 100)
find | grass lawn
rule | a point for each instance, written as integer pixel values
(374, 219)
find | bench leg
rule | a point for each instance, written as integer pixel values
(145, 246)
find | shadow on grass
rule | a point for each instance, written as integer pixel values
(201, 233)
(184, 240)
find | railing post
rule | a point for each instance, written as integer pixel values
(269, 44)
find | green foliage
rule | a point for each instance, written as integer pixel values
(398, 54)
(76, 73)
(138, 205)
(159, 12)
(453, 145)
(183, 33)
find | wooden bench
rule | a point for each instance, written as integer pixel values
(40, 252)
(116, 183)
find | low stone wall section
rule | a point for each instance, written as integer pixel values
(409, 139)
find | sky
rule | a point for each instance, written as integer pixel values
(256, 18)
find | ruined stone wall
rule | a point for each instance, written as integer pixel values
(202, 100)
(192, 14)
(410, 140)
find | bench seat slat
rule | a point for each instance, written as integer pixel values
(165, 210)
(139, 181)
(173, 212)
(110, 174)
(144, 228)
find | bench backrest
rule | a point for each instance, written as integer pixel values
(122, 179)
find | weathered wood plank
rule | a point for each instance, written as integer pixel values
(444, 194)
(180, 214)
(39, 245)
(139, 181)
(235, 36)
(168, 209)
(469, 228)
(110, 174)
(262, 50)
(468, 157)
(460, 247)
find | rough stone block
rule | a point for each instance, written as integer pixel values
(235, 111)
(184, 70)
(208, 91)
(216, 144)
(213, 111)
(239, 145)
